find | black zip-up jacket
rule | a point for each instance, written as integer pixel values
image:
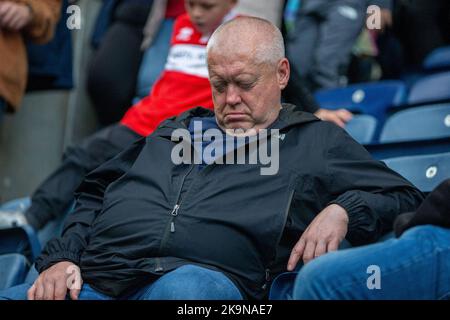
(139, 215)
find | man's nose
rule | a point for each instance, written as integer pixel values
(196, 13)
(233, 96)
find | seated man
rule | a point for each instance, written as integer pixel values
(145, 219)
(414, 266)
(183, 85)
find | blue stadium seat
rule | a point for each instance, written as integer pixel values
(420, 123)
(367, 98)
(425, 172)
(362, 128)
(13, 270)
(20, 204)
(429, 89)
(22, 240)
(438, 59)
(381, 151)
(49, 231)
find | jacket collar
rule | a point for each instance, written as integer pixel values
(289, 116)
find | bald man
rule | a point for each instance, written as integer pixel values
(213, 205)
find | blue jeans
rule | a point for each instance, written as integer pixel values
(414, 266)
(188, 282)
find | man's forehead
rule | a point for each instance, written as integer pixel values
(237, 69)
(229, 59)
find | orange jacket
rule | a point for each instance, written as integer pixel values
(13, 58)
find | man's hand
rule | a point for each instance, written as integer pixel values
(53, 283)
(339, 117)
(323, 235)
(14, 16)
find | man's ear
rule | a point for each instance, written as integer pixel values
(283, 73)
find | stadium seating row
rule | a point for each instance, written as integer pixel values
(417, 123)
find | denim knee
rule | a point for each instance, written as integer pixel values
(313, 278)
(193, 283)
(430, 237)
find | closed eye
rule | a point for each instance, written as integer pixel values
(246, 85)
(219, 86)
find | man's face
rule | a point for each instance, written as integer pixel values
(246, 95)
(207, 15)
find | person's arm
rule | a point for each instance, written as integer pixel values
(371, 193)
(89, 202)
(45, 14)
(58, 264)
(364, 199)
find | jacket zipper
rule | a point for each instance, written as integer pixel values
(286, 214)
(174, 212)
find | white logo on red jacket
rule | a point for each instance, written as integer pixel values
(185, 34)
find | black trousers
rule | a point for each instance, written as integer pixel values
(113, 69)
(54, 196)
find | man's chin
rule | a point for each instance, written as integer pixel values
(203, 30)
(238, 125)
(240, 129)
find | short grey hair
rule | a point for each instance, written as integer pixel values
(269, 50)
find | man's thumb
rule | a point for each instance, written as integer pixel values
(74, 293)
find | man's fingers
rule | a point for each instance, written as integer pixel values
(321, 248)
(76, 288)
(74, 294)
(31, 292)
(337, 120)
(14, 25)
(296, 253)
(60, 290)
(345, 115)
(9, 15)
(49, 290)
(39, 292)
(308, 254)
(333, 245)
(17, 22)
(3, 9)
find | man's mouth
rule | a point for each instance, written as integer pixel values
(200, 26)
(236, 116)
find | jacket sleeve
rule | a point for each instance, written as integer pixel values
(89, 202)
(371, 193)
(45, 16)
